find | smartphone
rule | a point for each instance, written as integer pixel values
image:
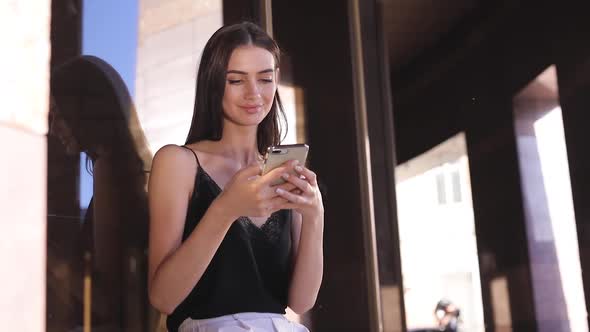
(278, 155)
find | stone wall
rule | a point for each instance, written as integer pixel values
(24, 31)
(172, 35)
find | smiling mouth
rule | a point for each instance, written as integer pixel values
(252, 109)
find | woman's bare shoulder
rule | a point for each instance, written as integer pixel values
(173, 169)
(173, 158)
(207, 152)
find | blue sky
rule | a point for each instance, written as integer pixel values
(109, 31)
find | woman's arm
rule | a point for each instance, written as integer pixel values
(308, 234)
(175, 268)
(308, 262)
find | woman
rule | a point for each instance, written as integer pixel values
(227, 250)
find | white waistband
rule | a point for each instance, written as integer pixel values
(243, 316)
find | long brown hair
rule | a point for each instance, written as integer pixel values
(207, 122)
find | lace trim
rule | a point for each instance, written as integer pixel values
(271, 228)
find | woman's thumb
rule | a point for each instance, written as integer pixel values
(250, 171)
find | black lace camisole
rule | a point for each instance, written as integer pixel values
(250, 272)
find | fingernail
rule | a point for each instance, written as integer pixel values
(285, 176)
(298, 168)
(280, 191)
(295, 162)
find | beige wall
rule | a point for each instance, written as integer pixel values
(172, 34)
(24, 31)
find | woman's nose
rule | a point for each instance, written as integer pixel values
(252, 89)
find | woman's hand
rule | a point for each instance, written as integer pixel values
(252, 195)
(305, 198)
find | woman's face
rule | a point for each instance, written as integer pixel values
(250, 85)
(59, 129)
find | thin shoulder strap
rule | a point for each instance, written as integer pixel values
(194, 153)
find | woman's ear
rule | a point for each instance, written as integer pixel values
(277, 76)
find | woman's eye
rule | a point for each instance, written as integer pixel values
(234, 81)
(266, 80)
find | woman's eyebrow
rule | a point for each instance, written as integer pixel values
(270, 70)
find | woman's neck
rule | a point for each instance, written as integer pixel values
(240, 144)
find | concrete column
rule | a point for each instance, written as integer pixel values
(375, 85)
(317, 38)
(574, 85)
(500, 226)
(547, 205)
(24, 31)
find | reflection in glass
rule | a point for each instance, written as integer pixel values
(92, 113)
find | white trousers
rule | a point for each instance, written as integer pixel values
(242, 322)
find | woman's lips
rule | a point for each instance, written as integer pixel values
(252, 109)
